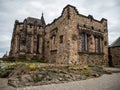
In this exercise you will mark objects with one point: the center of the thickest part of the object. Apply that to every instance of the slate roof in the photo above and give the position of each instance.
(116, 43)
(31, 20)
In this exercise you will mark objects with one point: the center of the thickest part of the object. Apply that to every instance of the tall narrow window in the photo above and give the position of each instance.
(29, 44)
(38, 44)
(88, 42)
(83, 42)
(54, 39)
(61, 39)
(18, 44)
(98, 46)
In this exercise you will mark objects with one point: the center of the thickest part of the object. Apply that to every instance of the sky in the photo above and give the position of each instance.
(11, 10)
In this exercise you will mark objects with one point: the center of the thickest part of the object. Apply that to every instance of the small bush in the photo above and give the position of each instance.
(86, 72)
(91, 65)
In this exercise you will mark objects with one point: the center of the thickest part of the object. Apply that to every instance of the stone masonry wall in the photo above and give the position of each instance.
(57, 50)
(100, 27)
(72, 38)
(115, 55)
(70, 24)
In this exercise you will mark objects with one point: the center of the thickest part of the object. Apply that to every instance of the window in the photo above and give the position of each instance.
(84, 25)
(83, 42)
(89, 40)
(22, 37)
(54, 39)
(29, 44)
(18, 44)
(92, 28)
(97, 45)
(38, 44)
(105, 43)
(61, 39)
(30, 25)
(47, 44)
(99, 49)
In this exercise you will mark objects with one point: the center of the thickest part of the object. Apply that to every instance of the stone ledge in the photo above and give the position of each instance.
(91, 53)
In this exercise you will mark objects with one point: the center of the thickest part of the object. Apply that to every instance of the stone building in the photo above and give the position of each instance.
(72, 38)
(27, 38)
(114, 53)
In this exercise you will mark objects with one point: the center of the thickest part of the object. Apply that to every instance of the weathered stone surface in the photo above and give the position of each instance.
(54, 74)
(114, 56)
(70, 39)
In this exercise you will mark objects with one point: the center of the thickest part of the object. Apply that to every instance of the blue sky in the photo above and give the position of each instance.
(10, 10)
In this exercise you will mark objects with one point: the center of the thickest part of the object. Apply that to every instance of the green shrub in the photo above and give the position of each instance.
(4, 72)
(86, 72)
(91, 65)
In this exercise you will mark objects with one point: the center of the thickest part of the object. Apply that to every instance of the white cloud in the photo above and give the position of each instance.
(1, 54)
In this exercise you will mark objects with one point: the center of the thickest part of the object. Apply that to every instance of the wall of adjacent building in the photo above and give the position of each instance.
(114, 55)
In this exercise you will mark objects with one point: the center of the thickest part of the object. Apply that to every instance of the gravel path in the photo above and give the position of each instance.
(105, 82)
(4, 86)
(114, 70)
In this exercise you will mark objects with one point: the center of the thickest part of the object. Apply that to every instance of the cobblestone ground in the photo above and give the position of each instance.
(105, 82)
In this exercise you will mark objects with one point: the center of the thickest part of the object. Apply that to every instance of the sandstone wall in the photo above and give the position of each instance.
(57, 51)
(79, 23)
(31, 34)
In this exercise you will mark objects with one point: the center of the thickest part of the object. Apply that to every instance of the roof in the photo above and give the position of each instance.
(116, 43)
(31, 20)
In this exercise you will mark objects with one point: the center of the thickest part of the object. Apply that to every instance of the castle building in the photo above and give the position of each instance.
(72, 38)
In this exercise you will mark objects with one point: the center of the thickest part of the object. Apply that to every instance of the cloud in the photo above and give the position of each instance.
(10, 10)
